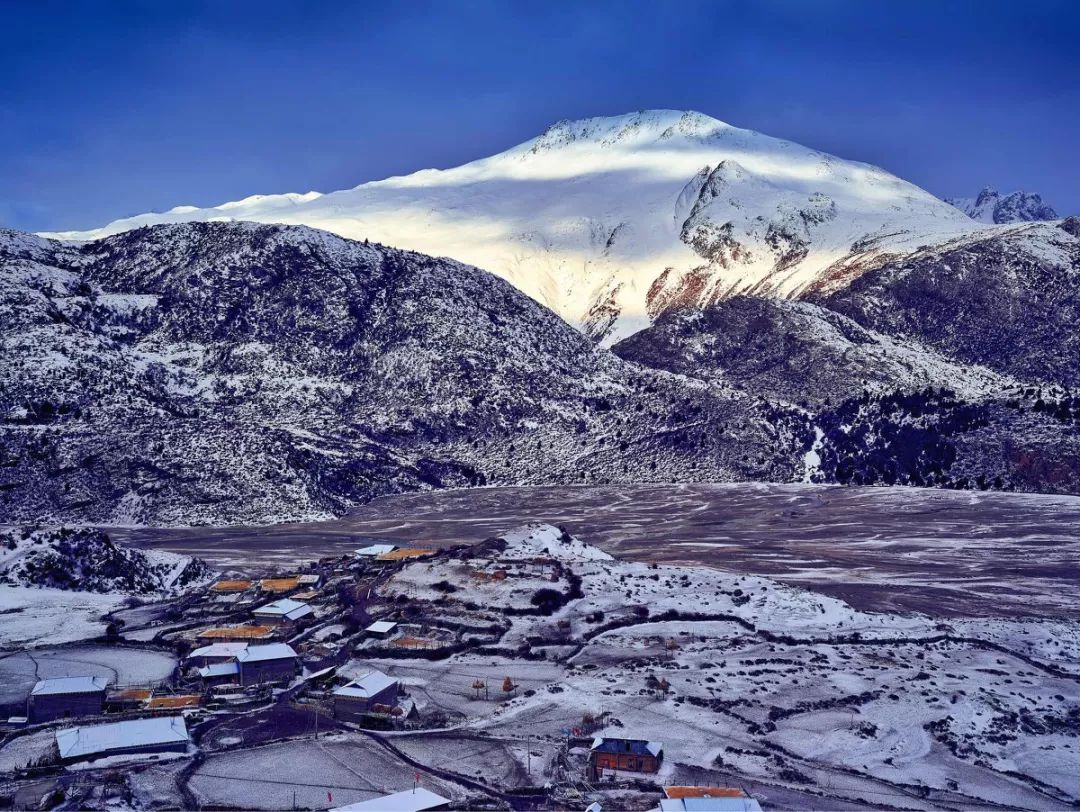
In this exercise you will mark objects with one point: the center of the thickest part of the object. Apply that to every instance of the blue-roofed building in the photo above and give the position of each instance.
(67, 698)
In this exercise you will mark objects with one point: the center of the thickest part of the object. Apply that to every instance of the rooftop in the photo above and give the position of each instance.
(403, 553)
(711, 803)
(272, 651)
(231, 586)
(279, 584)
(380, 626)
(174, 702)
(410, 800)
(286, 608)
(219, 670)
(374, 550)
(366, 686)
(237, 633)
(70, 685)
(78, 742)
(639, 747)
(223, 650)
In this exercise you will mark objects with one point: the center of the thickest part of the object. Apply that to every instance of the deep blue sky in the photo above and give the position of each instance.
(114, 108)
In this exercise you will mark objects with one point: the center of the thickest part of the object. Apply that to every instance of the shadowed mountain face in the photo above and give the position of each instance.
(1009, 300)
(245, 373)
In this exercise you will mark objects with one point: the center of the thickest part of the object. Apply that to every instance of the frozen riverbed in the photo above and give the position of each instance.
(881, 549)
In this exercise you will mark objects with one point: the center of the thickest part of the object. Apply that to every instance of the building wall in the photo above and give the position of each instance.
(626, 761)
(267, 671)
(176, 747)
(60, 706)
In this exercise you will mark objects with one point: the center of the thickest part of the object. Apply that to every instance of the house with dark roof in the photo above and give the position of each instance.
(67, 698)
(276, 662)
(633, 755)
(375, 692)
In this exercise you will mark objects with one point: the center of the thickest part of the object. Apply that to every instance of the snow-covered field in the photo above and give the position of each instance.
(119, 665)
(767, 683)
(947, 553)
(334, 770)
(36, 617)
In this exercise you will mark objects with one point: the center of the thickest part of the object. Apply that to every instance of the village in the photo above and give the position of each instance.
(534, 671)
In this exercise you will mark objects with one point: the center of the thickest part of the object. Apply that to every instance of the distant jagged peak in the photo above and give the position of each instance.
(991, 206)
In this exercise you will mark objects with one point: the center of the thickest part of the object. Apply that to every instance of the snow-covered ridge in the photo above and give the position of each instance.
(612, 221)
(991, 206)
(82, 560)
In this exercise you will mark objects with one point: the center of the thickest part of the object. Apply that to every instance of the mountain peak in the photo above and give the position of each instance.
(991, 206)
(643, 126)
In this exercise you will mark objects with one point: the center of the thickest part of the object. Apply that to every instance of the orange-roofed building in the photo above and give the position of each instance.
(227, 587)
(405, 553)
(279, 585)
(238, 633)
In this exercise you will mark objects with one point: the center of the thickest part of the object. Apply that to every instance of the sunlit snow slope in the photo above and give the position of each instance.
(612, 221)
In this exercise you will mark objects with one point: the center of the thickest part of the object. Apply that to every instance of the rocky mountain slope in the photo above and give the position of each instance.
(1008, 299)
(990, 206)
(88, 561)
(611, 222)
(215, 372)
(950, 366)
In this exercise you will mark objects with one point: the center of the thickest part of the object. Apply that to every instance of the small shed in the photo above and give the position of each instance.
(372, 693)
(417, 799)
(276, 662)
(164, 734)
(634, 755)
(283, 611)
(67, 698)
(381, 629)
(219, 674)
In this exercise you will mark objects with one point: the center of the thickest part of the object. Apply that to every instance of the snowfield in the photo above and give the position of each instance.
(745, 680)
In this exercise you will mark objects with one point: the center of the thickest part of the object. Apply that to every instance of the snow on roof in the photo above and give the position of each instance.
(272, 651)
(78, 742)
(409, 800)
(218, 650)
(366, 686)
(609, 744)
(308, 579)
(219, 670)
(380, 626)
(286, 608)
(375, 550)
(738, 803)
(70, 685)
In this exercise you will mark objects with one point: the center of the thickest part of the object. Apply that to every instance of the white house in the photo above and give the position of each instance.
(163, 734)
(285, 610)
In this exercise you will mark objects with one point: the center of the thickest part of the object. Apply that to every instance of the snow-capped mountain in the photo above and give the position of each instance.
(991, 206)
(239, 372)
(611, 222)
